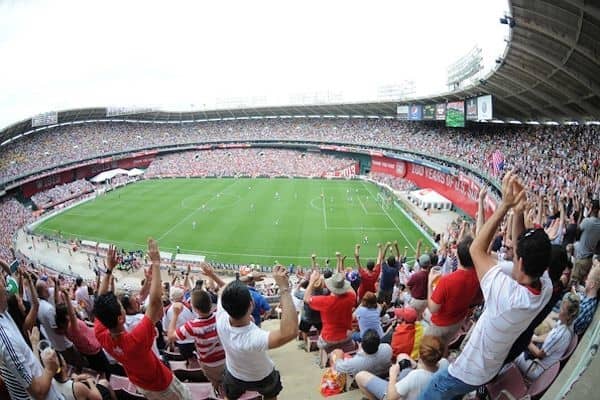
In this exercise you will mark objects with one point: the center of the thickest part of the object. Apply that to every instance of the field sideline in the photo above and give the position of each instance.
(242, 220)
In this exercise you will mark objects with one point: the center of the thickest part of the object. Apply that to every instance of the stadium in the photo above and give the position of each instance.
(487, 189)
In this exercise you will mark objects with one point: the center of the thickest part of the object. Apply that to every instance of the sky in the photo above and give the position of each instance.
(183, 55)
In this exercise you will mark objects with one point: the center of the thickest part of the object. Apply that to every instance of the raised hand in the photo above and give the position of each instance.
(357, 250)
(177, 308)
(111, 258)
(314, 276)
(512, 190)
(207, 269)
(280, 275)
(153, 251)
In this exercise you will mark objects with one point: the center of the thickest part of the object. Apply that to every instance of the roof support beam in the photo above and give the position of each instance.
(536, 106)
(571, 95)
(507, 103)
(588, 8)
(557, 65)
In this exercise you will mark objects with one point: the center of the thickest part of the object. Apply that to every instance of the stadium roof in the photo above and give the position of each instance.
(549, 72)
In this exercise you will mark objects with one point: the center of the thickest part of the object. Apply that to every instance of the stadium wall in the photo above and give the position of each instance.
(460, 189)
(87, 170)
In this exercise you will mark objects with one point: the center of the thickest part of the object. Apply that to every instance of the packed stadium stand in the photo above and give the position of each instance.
(504, 307)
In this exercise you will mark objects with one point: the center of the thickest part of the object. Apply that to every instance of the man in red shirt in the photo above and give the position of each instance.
(134, 349)
(368, 277)
(336, 309)
(453, 296)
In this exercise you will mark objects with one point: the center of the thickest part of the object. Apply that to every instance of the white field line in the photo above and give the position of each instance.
(392, 221)
(193, 212)
(362, 205)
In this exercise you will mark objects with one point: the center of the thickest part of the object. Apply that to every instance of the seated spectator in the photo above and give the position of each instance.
(405, 335)
(589, 303)
(407, 378)
(367, 315)
(81, 387)
(373, 356)
(535, 360)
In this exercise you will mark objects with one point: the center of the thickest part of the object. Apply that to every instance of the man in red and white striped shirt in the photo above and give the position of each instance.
(204, 331)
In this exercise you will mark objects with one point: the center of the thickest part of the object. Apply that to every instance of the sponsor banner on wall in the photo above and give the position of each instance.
(416, 112)
(347, 172)
(472, 109)
(440, 112)
(429, 112)
(402, 112)
(484, 107)
(460, 189)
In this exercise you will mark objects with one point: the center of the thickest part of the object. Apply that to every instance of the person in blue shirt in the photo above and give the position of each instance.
(261, 306)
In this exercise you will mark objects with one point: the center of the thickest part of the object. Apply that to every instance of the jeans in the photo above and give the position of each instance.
(444, 386)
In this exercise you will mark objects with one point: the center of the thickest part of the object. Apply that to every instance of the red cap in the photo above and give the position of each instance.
(407, 314)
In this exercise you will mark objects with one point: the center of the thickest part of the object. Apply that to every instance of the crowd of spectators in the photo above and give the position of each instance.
(549, 158)
(246, 162)
(398, 184)
(13, 215)
(62, 193)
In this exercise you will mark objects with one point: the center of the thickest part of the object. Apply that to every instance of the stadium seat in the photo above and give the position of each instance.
(510, 384)
(190, 375)
(173, 356)
(124, 389)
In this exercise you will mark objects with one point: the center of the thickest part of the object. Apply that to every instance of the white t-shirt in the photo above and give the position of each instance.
(81, 295)
(411, 385)
(47, 318)
(245, 348)
(509, 309)
(185, 316)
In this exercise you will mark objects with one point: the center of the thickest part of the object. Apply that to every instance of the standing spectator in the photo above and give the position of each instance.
(373, 356)
(336, 309)
(367, 315)
(22, 373)
(132, 349)
(82, 297)
(368, 277)
(453, 296)
(389, 276)
(47, 318)
(587, 244)
(203, 330)
(417, 284)
(247, 364)
(310, 318)
(80, 334)
(186, 345)
(260, 303)
(514, 294)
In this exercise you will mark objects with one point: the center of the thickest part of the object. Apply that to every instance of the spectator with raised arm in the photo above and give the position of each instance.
(203, 330)
(587, 244)
(20, 369)
(389, 276)
(247, 364)
(133, 349)
(514, 294)
(370, 275)
(261, 306)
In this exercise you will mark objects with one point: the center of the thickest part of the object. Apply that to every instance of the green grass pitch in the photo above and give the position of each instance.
(242, 220)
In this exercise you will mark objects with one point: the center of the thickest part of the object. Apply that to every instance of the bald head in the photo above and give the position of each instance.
(42, 289)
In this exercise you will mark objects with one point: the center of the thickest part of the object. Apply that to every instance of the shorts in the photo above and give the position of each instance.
(328, 347)
(269, 387)
(419, 305)
(175, 391)
(98, 362)
(446, 333)
(385, 296)
(214, 374)
(306, 325)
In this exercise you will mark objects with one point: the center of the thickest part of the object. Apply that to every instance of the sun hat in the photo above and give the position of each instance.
(337, 284)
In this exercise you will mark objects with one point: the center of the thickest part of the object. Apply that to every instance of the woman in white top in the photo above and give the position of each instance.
(81, 387)
(535, 360)
(412, 380)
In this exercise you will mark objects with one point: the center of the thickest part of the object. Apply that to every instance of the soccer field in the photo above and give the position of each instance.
(242, 220)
